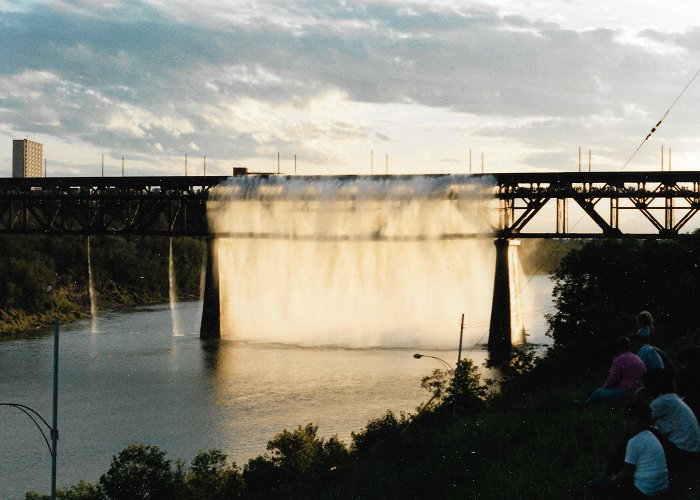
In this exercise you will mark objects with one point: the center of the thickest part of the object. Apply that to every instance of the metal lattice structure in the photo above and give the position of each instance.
(667, 200)
(176, 205)
(171, 206)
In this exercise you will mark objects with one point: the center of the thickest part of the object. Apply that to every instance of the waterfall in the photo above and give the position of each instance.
(91, 290)
(515, 271)
(172, 288)
(353, 262)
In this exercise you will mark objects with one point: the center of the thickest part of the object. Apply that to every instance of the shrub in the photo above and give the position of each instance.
(141, 473)
(461, 387)
(211, 477)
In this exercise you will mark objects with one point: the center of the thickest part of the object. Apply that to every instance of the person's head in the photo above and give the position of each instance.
(622, 344)
(644, 319)
(637, 340)
(658, 381)
(637, 417)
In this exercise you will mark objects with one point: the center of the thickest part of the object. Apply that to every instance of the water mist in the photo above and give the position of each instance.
(388, 262)
(172, 291)
(91, 290)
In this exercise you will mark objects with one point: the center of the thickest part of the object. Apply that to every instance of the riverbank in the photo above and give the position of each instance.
(43, 278)
(17, 323)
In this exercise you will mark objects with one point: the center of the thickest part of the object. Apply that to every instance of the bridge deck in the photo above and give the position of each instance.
(176, 205)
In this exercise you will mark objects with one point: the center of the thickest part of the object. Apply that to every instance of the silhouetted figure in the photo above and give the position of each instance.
(645, 321)
(625, 374)
(674, 420)
(640, 346)
(643, 472)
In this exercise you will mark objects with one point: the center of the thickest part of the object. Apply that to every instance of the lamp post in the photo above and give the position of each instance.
(34, 415)
(447, 365)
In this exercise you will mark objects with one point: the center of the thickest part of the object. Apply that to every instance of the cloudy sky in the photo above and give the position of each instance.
(337, 83)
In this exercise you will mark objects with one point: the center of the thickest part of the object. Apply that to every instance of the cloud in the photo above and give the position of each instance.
(238, 80)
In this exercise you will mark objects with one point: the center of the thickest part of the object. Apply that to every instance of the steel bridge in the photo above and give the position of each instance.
(176, 206)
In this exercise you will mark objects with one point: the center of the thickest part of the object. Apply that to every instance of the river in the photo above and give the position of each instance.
(127, 379)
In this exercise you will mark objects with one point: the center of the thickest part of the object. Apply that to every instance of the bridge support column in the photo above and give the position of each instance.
(499, 329)
(210, 327)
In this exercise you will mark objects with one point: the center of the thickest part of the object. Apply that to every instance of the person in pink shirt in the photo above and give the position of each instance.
(625, 374)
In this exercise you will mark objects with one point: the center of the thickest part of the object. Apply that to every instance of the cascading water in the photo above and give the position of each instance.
(354, 262)
(515, 271)
(172, 289)
(202, 284)
(91, 290)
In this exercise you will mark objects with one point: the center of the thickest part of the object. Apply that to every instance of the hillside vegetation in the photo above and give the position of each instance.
(46, 277)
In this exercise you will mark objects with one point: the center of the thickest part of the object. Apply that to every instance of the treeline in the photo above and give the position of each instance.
(42, 277)
(521, 437)
(600, 287)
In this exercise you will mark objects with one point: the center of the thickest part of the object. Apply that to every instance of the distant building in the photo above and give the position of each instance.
(27, 158)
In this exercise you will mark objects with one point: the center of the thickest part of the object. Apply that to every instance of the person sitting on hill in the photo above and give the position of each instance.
(646, 353)
(688, 378)
(625, 374)
(646, 325)
(674, 420)
(644, 472)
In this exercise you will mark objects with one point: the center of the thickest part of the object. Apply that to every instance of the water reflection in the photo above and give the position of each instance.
(133, 381)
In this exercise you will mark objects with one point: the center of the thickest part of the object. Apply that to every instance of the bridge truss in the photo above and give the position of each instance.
(176, 205)
(667, 200)
(156, 206)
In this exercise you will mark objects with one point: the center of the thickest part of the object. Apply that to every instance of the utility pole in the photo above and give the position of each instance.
(54, 427)
(579, 159)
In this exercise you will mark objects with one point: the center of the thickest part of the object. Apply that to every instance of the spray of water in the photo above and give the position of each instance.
(91, 290)
(515, 271)
(172, 288)
(354, 262)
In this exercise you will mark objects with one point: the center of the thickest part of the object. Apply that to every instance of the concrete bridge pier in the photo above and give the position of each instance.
(499, 329)
(210, 327)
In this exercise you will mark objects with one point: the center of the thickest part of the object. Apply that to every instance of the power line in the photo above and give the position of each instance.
(653, 129)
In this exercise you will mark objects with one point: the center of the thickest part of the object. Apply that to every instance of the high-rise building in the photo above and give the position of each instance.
(27, 158)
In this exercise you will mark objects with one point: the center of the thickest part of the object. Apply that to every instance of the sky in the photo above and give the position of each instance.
(349, 87)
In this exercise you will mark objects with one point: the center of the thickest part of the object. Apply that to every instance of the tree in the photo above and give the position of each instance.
(462, 387)
(142, 473)
(600, 288)
(210, 477)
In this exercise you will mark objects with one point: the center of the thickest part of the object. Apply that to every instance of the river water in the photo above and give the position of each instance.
(127, 379)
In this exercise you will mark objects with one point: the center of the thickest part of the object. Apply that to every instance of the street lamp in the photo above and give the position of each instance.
(447, 365)
(31, 413)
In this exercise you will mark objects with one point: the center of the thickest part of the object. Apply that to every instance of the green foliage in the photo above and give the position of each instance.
(300, 452)
(378, 431)
(45, 276)
(262, 476)
(297, 455)
(211, 477)
(141, 473)
(600, 288)
(462, 387)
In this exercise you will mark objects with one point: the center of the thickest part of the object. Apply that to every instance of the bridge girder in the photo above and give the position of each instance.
(176, 205)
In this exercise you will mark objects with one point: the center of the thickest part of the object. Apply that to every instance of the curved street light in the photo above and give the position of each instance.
(34, 415)
(447, 365)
